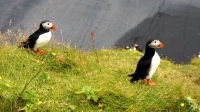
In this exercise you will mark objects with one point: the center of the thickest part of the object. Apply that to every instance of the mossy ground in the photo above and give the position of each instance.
(68, 70)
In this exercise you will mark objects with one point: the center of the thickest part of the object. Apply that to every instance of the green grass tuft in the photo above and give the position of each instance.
(68, 79)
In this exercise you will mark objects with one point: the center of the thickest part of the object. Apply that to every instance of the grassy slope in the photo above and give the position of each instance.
(62, 75)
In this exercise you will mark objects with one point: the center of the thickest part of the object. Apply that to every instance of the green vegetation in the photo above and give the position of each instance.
(68, 79)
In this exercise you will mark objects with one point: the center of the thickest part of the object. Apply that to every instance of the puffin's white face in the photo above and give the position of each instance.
(48, 26)
(135, 45)
(156, 44)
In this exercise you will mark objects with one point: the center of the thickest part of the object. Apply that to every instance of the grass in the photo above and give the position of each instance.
(68, 79)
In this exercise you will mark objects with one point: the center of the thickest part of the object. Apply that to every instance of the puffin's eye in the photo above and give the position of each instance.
(47, 23)
(155, 41)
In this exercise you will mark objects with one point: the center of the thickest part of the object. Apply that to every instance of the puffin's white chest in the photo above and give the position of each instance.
(154, 65)
(43, 40)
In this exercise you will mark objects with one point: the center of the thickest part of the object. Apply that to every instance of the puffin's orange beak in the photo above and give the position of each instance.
(161, 45)
(53, 27)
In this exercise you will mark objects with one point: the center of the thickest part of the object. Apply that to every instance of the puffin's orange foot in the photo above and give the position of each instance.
(151, 83)
(39, 52)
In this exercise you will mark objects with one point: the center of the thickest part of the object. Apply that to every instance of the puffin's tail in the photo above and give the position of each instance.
(134, 77)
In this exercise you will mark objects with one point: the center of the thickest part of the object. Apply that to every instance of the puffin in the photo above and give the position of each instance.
(199, 55)
(136, 47)
(148, 63)
(127, 48)
(41, 37)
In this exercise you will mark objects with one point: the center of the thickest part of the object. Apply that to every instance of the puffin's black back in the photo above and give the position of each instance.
(33, 37)
(144, 63)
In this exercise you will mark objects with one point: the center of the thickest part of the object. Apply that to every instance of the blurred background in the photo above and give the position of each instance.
(116, 23)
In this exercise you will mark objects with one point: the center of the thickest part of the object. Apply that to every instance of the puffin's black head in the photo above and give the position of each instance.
(47, 25)
(154, 43)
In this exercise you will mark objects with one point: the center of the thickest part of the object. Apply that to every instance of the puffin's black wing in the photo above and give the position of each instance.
(142, 69)
(31, 39)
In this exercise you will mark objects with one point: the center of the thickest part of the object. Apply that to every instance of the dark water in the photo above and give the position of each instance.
(114, 22)
(178, 29)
